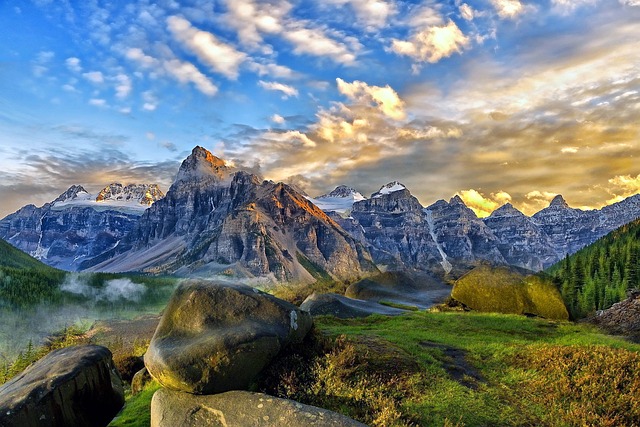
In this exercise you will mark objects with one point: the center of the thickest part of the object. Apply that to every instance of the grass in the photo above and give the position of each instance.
(136, 412)
(472, 369)
(398, 305)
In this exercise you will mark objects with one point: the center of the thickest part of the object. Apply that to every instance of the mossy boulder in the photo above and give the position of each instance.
(509, 290)
(70, 387)
(217, 337)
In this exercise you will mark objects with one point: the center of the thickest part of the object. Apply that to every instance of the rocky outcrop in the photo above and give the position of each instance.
(239, 409)
(622, 318)
(142, 194)
(344, 307)
(511, 291)
(414, 290)
(218, 221)
(74, 386)
(217, 337)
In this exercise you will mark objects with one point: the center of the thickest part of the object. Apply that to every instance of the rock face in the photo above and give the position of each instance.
(77, 226)
(239, 409)
(75, 386)
(520, 241)
(509, 290)
(214, 221)
(214, 338)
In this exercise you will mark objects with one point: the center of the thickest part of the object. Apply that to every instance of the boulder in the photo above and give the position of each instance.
(217, 337)
(74, 386)
(344, 307)
(238, 409)
(509, 290)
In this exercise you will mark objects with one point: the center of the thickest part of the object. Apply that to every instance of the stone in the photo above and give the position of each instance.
(509, 290)
(343, 307)
(239, 409)
(140, 381)
(73, 386)
(217, 337)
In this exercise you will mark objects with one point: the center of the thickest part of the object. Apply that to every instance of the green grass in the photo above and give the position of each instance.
(510, 393)
(398, 305)
(136, 412)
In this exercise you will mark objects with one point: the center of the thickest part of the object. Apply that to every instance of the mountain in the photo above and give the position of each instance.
(521, 241)
(77, 225)
(217, 221)
(340, 200)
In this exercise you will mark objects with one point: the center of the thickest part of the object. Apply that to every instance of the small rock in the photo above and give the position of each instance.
(74, 386)
(217, 337)
(140, 380)
(237, 409)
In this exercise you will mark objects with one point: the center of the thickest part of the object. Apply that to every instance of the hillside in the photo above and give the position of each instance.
(24, 280)
(600, 274)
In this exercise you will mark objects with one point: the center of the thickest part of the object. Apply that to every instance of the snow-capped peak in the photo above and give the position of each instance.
(133, 198)
(340, 200)
(391, 187)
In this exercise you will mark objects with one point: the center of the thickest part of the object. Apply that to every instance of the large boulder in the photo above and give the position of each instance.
(217, 337)
(343, 307)
(509, 290)
(418, 289)
(238, 409)
(74, 386)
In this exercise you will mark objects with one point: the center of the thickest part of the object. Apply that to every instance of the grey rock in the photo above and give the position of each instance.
(344, 307)
(239, 409)
(140, 381)
(74, 386)
(217, 337)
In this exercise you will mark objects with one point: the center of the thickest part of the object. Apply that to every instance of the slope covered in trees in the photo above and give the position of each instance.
(600, 274)
(25, 280)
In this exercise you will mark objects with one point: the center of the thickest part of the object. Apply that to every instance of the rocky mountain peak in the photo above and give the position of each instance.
(559, 202)
(342, 191)
(202, 164)
(144, 194)
(457, 200)
(389, 188)
(506, 210)
(72, 193)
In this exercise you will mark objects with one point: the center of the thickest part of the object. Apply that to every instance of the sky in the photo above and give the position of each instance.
(494, 100)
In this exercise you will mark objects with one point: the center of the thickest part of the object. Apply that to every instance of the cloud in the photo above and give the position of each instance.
(630, 2)
(569, 150)
(187, 72)
(483, 205)
(508, 9)
(123, 86)
(433, 43)
(150, 101)
(41, 62)
(278, 119)
(385, 97)
(97, 102)
(271, 69)
(568, 6)
(623, 186)
(372, 13)
(169, 146)
(286, 90)
(94, 77)
(251, 19)
(73, 64)
(314, 41)
(466, 12)
(219, 56)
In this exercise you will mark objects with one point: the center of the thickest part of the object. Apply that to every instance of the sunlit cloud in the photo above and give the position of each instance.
(385, 97)
(508, 8)
(481, 204)
(432, 43)
(466, 12)
(278, 119)
(372, 13)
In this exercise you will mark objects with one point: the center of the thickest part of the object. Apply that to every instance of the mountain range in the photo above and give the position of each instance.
(215, 220)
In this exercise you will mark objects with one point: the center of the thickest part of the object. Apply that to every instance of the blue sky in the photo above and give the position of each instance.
(496, 100)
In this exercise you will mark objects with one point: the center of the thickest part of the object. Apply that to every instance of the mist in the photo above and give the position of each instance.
(112, 291)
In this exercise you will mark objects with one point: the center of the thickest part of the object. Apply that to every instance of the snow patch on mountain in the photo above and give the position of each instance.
(131, 199)
(391, 187)
(340, 200)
